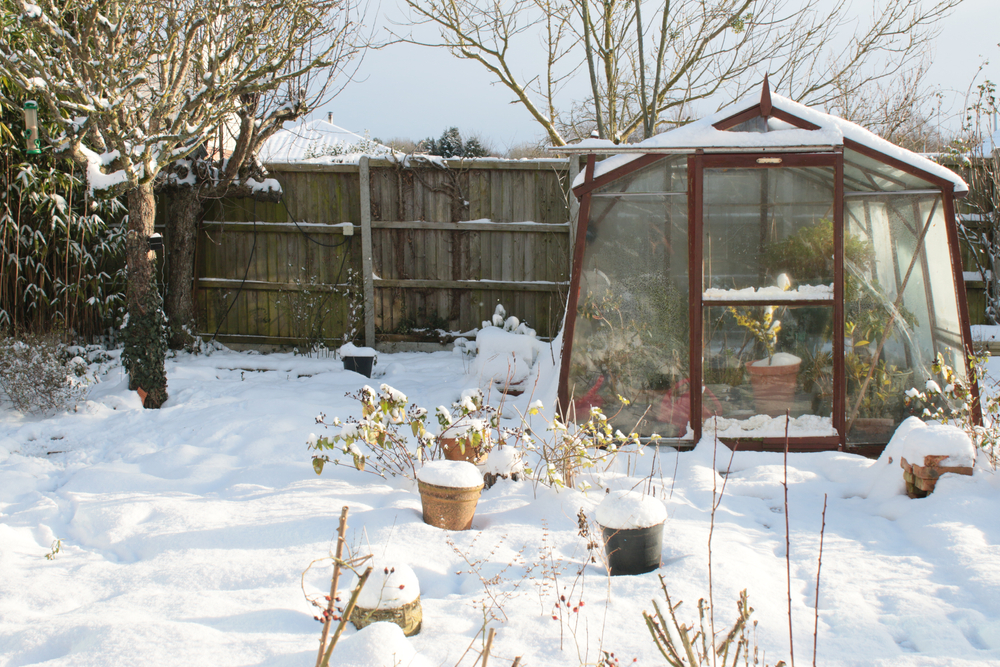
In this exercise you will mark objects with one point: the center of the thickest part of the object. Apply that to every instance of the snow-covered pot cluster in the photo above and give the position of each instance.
(632, 524)
(391, 594)
(449, 492)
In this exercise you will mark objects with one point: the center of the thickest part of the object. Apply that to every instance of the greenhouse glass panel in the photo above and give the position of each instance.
(632, 328)
(764, 360)
(761, 223)
(865, 174)
(666, 175)
(897, 288)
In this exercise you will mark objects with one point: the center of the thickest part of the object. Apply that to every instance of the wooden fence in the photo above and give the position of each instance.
(428, 247)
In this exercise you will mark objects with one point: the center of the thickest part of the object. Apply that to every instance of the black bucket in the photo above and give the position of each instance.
(361, 365)
(633, 550)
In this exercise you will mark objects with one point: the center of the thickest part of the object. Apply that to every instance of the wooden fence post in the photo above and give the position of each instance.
(367, 273)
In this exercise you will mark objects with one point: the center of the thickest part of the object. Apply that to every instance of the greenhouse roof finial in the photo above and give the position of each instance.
(765, 99)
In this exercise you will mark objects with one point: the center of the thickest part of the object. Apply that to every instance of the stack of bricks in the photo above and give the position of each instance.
(920, 480)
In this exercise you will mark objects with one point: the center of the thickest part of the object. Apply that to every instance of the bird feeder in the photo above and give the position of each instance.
(34, 143)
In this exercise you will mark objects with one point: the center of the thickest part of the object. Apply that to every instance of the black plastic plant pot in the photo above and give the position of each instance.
(361, 365)
(633, 550)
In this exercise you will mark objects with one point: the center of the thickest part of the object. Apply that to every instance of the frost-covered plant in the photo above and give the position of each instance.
(378, 442)
(760, 321)
(956, 403)
(61, 251)
(568, 450)
(509, 324)
(37, 376)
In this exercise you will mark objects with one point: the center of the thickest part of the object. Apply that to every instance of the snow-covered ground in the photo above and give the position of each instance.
(185, 531)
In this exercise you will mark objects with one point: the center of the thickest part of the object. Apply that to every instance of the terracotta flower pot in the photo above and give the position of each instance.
(773, 386)
(459, 449)
(449, 508)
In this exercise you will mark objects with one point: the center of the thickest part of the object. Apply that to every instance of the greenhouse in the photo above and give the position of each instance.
(784, 260)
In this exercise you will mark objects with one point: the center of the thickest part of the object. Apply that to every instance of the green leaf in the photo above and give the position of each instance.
(318, 465)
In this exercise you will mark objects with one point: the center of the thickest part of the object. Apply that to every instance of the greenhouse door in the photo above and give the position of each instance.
(768, 240)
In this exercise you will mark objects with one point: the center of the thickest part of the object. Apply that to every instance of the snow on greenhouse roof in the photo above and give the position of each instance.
(832, 131)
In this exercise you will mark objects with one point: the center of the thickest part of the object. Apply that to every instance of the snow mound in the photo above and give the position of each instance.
(381, 644)
(391, 585)
(629, 509)
(451, 474)
(504, 355)
(914, 440)
(504, 461)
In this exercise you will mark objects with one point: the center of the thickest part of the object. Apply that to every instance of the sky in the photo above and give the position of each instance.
(407, 91)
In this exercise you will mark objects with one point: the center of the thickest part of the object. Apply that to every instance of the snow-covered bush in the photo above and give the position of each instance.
(36, 375)
(506, 350)
(61, 252)
(956, 403)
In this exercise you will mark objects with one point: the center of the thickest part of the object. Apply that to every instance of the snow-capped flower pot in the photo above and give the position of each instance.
(358, 359)
(774, 380)
(392, 594)
(449, 492)
(632, 524)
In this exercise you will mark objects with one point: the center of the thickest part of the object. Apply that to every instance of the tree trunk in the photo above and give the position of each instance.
(139, 258)
(185, 210)
(144, 335)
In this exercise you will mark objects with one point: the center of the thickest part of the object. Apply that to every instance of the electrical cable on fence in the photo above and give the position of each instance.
(347, 240)
(253, 249)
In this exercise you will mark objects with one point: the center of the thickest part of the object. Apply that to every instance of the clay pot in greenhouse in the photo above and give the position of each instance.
(774, 381)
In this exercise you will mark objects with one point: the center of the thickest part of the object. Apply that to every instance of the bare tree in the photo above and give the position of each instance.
(135, 85)
(228, 166)
(646, 65)
(978, 157)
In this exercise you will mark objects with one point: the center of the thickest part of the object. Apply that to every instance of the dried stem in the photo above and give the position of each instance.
(328, 618)
(346, 616)
(489, 643)
(788, 547)
(819, 565)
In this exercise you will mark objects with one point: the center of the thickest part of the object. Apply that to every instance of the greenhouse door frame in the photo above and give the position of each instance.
(697, 163)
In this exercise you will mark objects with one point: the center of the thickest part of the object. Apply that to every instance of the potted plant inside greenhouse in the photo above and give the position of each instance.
(789, 235)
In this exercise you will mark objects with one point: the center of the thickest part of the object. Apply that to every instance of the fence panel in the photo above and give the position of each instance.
(448, 246)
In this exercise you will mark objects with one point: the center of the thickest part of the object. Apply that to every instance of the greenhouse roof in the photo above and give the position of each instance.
(790, 127)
